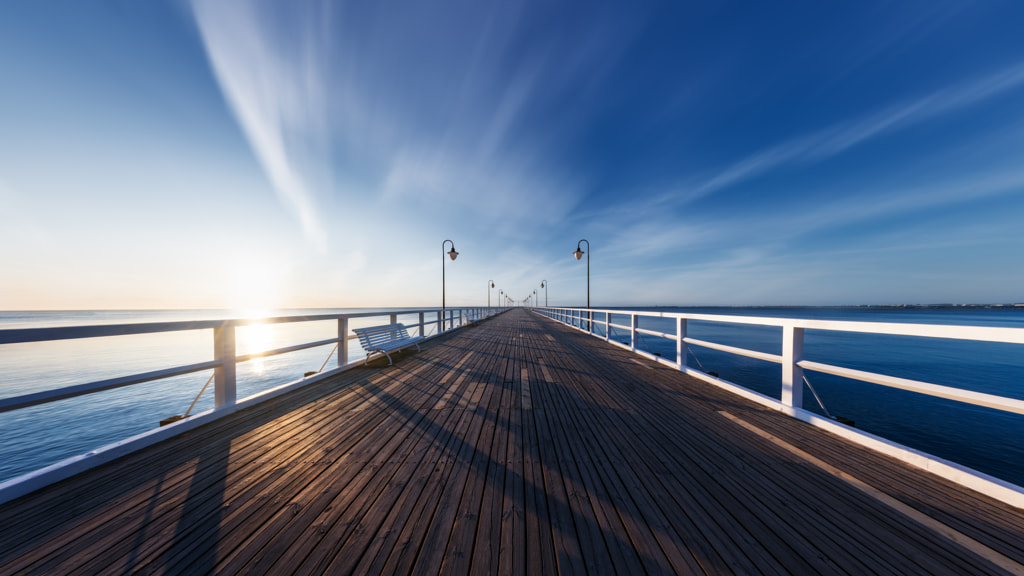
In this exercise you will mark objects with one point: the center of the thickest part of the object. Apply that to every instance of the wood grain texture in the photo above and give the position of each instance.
(517, 446)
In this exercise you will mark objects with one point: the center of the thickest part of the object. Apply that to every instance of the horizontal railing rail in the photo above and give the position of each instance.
(791, 356)
(225, 357)
(26, 400)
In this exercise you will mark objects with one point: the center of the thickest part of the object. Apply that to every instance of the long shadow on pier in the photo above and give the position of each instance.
(496, 449)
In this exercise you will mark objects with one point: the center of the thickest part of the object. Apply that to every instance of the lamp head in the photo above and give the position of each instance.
(453, 254)
(578, 253)
(541, 284)
(492, 284)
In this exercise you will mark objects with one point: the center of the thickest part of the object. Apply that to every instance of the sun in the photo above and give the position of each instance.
(255, 338)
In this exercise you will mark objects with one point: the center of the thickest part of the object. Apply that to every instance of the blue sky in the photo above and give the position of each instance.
(230, 154)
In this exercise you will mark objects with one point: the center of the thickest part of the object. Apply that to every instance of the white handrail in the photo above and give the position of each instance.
(792, 360)
(225, 357)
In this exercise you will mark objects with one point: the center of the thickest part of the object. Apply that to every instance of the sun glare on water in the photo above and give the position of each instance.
(255, 338)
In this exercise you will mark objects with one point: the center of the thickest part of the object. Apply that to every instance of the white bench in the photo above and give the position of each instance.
(385, 339)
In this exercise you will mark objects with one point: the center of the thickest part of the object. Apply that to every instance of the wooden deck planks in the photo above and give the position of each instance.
(936, 548)
(761, 482)
(518, 446)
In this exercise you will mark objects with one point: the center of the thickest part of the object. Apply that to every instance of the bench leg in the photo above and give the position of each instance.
(389, 358)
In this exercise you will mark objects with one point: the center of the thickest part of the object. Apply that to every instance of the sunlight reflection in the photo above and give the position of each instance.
(255, 338)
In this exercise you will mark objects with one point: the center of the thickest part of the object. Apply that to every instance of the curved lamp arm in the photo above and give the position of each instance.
(579, 254)
(453, 255)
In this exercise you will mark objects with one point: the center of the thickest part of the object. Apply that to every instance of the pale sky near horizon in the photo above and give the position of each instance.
(258, 154)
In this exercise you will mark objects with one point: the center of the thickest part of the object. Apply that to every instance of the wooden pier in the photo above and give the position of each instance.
(517, 446)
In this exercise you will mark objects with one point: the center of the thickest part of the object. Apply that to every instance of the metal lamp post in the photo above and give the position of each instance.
(579, 254)
(490, 285)
(453, 255)
(544, 285)
(535, 298)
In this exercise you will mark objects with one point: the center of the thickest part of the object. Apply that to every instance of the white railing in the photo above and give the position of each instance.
(225, 358)
(793, 364)
(224, 362)
(791, 355)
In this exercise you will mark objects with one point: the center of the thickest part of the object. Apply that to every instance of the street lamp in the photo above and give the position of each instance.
(579, 254)
(534, 297)
(501, 296)
(544, 285)
(490, 284)
(453, 255)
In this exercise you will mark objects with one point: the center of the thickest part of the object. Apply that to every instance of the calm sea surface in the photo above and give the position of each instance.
(984, 439)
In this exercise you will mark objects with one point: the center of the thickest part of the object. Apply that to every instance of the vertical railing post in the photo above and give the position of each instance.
(460, 317)
(394, 319)
(634, 321)
(342, 342)
(607, 326)
(681, 343)
(224, 375)
(792, 375)
(440, 322)
(421, 324)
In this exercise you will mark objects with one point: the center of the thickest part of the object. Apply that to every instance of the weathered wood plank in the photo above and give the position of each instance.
(518, 446)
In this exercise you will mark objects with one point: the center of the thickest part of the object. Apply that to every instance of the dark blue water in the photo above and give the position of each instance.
(984, 439)
(981, 438)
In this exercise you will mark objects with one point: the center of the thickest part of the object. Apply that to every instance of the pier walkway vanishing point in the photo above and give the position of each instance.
(517, 446)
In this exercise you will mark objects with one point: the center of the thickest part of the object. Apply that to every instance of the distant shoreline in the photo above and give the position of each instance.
(878, 306)
(655, 306)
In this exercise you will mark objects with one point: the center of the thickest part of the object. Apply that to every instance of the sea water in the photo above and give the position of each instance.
(981, 438)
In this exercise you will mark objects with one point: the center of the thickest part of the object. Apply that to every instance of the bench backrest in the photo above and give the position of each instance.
(375, 336)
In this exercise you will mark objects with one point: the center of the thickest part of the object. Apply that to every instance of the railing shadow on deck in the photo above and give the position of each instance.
(793, 365)
(481, 463)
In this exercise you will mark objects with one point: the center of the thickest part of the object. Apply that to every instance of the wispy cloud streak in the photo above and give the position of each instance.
(271, 66)
(837, 139)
